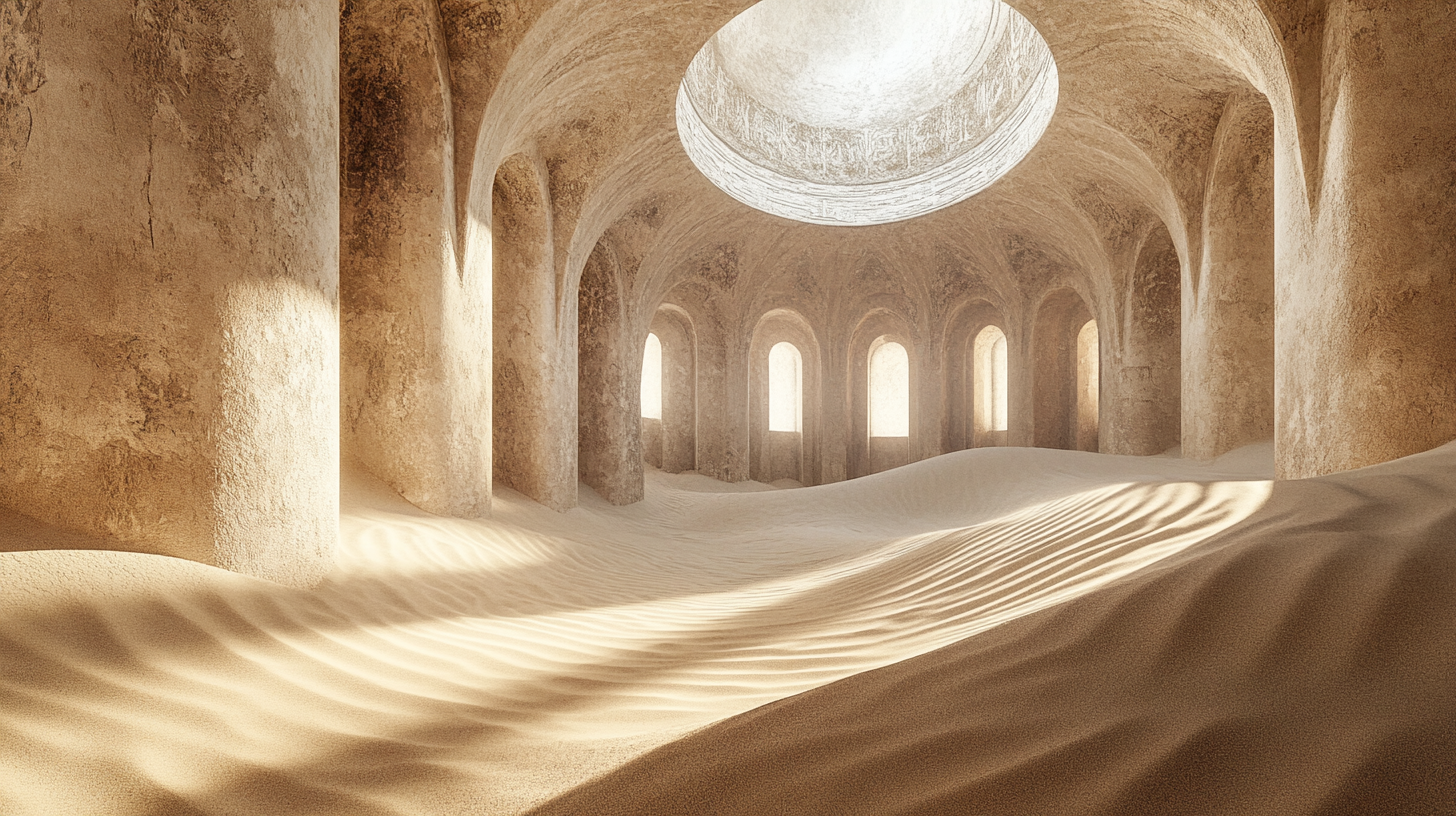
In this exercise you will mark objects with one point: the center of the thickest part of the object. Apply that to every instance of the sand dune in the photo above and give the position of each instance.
(1303, 662)
(1076, 625)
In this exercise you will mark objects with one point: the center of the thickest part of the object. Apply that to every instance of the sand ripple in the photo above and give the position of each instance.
(452, 666)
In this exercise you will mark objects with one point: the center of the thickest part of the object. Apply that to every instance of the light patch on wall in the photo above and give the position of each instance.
(652, 378)
(889, 389)
(1088, 384)
(785, 388)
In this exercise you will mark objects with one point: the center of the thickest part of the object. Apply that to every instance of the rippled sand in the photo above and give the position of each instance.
(998, 631)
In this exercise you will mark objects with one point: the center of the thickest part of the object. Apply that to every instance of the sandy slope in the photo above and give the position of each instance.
(1301, 663)
(455, 666)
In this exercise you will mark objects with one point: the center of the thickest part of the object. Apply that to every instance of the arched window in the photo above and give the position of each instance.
(785, 388)
(889, 383)
(652, 378)
(1087, 385)
(989, 358)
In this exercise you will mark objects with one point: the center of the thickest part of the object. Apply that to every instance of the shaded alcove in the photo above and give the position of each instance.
(1059, 321)
(609, 428)
(669, 442)
(785, 454)
(1228, 331)
(531, 453)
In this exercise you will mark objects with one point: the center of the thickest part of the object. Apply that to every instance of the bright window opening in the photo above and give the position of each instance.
(785, 389)
(652, 378)
(990, 379)
(889, 389)
(1087, 378)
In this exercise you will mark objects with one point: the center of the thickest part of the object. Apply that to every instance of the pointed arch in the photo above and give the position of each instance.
(778, 453)
(871, 452)
(669, 442)
(1059, 320)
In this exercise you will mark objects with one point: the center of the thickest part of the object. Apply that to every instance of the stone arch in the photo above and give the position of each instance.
(1059, 319)
(872, 455)
(959, 428)
(990, 366)
(670, 444)
(609, 373)
(781, 454)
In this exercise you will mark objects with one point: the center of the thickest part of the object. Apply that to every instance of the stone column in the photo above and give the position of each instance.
(1141, 377)
(415, 351)
(835, 424)
(1366, 276)
(1228, 298)
(169, 226)
(722, 402)
(609, 431)
(533, 405)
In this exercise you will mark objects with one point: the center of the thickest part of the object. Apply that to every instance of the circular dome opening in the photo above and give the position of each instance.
(858, 112)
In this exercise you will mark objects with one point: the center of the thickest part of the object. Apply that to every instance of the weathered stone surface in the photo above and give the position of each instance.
(169, 272)
(1253, 200)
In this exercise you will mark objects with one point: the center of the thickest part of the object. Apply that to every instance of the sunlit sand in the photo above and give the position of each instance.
(1102, 622)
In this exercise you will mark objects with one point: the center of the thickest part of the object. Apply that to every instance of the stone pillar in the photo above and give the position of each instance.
(1021, 371)
(1366, 284)
(1228, 298)
(169, 222)
(415, 336)
(929, 397)
(1141, 372)
(834, 438)
(722, 403)
(608, 397)
(534, 344)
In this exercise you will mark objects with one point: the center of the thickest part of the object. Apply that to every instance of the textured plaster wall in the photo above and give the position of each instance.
(169, 272)
(1366, 247)
(415, 332)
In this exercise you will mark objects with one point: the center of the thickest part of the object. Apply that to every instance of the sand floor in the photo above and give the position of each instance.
(995, 631)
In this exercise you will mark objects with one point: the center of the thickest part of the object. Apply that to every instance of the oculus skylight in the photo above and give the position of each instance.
(858, 112)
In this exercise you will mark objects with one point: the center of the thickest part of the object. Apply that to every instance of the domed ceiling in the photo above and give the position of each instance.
(858, 112)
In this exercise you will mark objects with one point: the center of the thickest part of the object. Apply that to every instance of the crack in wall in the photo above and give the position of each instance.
(147, 190)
